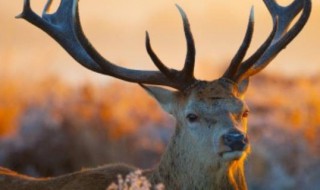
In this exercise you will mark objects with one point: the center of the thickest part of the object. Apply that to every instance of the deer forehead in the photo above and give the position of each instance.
(214, 90)
(216, 96)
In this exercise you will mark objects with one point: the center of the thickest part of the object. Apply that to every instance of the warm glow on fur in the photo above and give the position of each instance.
(210, 143)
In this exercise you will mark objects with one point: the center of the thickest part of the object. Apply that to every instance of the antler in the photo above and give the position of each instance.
(64, 26)
(279, 38)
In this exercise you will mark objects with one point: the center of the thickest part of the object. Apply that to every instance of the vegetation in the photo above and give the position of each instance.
(54, 128)
(134, 181)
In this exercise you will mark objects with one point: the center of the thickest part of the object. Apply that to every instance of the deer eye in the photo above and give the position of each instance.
(245, 114)
(192, 118)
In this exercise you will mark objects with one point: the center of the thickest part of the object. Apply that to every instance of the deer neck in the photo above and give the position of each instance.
(181, 168)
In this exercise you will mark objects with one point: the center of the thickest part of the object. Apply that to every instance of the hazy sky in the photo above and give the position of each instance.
(117, 28)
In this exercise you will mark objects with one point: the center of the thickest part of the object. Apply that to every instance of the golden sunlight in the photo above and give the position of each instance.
(48, 99)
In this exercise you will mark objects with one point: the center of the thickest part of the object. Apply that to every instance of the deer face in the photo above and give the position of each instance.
(211, 119)
(214, 116)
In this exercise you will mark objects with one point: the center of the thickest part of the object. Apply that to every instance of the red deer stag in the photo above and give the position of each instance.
(210, 143)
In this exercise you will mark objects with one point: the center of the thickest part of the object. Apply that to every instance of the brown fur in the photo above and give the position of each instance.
(93, 179)
(191, 160)
(181, 167)
(200, 154)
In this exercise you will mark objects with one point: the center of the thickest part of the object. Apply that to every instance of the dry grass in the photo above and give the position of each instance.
(48, 127)
(134, 181)
(64, 128)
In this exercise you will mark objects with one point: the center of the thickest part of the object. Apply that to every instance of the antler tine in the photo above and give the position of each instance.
(188, 68)
(246, 65)
(285, 15)
(164, 69)
(60, 29)
(237, 59)
(167, 76)
(64, 26)
(282, 17)
(26, 9)
(280, 42)
(47, 7)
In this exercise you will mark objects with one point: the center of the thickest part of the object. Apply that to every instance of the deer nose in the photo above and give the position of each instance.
(235, 140)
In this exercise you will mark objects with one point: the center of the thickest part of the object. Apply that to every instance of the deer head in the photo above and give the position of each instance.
(211, 140)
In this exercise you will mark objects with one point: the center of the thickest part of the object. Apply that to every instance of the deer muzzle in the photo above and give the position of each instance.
(235, 140)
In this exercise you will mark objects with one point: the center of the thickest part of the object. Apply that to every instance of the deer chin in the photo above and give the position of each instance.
(233, 155)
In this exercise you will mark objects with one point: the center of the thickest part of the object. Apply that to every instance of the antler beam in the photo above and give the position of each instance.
(279, 38)
(64, 26)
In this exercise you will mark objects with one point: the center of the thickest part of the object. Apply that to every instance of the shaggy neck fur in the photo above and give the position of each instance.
(182, 168)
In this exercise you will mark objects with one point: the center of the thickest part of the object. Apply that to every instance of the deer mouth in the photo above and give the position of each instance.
(233, 155)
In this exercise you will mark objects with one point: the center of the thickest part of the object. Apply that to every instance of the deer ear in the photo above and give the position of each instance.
(243, 86)
(165, 98)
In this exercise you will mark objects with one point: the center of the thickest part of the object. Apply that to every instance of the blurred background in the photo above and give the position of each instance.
(57, 117)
